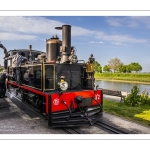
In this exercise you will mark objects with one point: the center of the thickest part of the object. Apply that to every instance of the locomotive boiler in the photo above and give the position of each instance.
(57, 84)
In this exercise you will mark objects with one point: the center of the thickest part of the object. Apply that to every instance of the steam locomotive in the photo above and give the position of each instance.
(59, 85)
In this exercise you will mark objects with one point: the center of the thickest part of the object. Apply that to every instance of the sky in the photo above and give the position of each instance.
(106, 37)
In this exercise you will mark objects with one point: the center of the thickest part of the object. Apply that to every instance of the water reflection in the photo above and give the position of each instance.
(121, 86)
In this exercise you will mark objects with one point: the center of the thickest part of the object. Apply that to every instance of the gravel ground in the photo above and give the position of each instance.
(128, 125)
(14, 120)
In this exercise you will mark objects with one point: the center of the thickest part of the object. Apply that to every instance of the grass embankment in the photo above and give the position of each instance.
(140, 114)
(129, 77)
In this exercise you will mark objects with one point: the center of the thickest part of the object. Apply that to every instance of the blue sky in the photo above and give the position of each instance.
(106, 37)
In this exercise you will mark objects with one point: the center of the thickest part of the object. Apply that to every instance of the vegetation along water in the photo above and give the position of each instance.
(128, 77)
(117, 70)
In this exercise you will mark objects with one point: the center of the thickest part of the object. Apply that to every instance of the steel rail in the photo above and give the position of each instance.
(110, 128)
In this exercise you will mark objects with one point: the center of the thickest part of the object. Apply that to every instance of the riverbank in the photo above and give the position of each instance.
(123, 81)
(124, 77)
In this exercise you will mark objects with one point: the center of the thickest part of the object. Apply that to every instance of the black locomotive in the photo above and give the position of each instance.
(57, 84)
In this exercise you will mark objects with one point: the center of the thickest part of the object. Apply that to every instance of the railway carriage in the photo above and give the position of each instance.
(57, 84)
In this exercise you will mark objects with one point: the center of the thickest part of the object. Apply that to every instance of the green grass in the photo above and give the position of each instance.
(128, 112)
(139, 77)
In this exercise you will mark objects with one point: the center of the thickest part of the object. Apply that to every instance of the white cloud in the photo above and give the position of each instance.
(79, 31)
(36, 25)
(113, 21)
(120, 38)
(130, 21)
(94, 42)
(32, 27)
(119, 44)
(143, 21)
(14, 36)
(122, 22)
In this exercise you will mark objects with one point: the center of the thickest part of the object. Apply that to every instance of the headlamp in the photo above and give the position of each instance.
(63, 85)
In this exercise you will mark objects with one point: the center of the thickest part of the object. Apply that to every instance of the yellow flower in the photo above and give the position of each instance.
(145, 115)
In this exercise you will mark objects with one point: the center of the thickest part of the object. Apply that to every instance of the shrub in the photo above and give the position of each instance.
(136, 99)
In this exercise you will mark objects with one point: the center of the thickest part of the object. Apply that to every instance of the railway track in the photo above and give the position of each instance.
(72, 131)
(110, 128)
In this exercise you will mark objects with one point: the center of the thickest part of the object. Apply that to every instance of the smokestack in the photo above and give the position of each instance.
(66, 43)
(66, 37)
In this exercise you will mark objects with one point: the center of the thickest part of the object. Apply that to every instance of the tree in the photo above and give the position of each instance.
(114, 64)
(106, 68)
(128, 68)
(135, 67)
(97, 67)
(122, 68)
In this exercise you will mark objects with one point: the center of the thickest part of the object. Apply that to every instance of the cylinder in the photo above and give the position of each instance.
(52, 49)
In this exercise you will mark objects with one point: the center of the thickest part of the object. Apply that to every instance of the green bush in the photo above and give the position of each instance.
(136, 99)
(140, 77)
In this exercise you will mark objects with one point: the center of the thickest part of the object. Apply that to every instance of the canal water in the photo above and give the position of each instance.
(121, 86)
